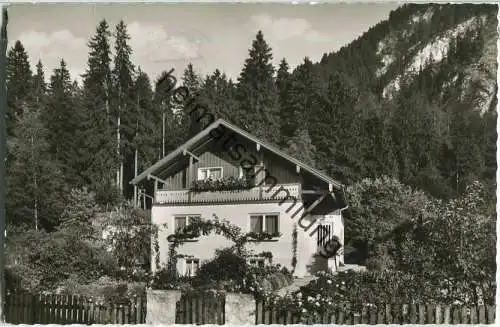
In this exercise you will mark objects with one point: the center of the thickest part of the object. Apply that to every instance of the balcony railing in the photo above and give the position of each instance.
(277, 193)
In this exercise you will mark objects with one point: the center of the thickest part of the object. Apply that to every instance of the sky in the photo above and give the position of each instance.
(210, 36)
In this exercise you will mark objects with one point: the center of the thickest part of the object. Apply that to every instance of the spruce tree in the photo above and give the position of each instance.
(300, 147)
(19, 83)
(218, 95)
(332, 124)
(123, 111)
(257, 94)
(146, 128)
(39, 84)
(300, 99)
(184, 112)
(100, 162)
(283, 81)
(148, 123)
(62, 122)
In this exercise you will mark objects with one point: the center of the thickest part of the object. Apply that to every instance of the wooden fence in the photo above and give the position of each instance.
(200, 309)
(382, 314)
(67, 309)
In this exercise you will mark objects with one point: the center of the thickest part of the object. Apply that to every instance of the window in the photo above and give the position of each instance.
(192, 266)
(264, 223)
(182, 221)
(209, 173)
(257, 262)
(256, 174)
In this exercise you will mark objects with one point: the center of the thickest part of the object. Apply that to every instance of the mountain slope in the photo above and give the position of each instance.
(414, 97)
(416, 37)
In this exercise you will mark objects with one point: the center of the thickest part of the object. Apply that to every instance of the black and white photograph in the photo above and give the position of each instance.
(248, 163)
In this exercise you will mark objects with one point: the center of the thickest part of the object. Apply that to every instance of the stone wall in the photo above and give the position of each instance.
(239, 308)
(161, 306)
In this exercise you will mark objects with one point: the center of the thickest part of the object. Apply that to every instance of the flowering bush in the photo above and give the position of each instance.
(224, 184)
(227, 272)
(354, 290)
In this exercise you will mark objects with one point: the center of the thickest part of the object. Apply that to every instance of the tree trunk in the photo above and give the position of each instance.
(135, 174)
(118, 183)
(136, 154)
(107, 125)
(163, 133)
(35, 187)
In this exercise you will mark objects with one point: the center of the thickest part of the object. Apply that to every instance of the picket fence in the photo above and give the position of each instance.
(382, 314)
(198, 309)
(70, 309)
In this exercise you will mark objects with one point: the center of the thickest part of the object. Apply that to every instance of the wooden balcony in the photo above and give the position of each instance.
(257, 194)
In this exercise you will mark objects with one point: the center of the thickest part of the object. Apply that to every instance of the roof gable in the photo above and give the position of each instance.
(222, 129)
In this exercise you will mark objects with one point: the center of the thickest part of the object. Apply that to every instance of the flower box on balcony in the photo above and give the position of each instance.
(224, 184)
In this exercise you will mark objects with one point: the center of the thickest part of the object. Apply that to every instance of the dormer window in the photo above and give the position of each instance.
(213, 173)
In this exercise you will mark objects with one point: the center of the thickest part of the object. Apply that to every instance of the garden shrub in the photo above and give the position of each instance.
(105, 289)
(225, 266)
(357, 290)
(227, 272)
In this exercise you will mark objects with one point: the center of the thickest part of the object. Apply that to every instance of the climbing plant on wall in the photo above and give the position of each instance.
(219, 227)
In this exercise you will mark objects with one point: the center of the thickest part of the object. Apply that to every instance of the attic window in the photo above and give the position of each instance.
(213, 173)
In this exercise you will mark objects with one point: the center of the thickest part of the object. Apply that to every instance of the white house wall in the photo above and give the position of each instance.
(239, 214)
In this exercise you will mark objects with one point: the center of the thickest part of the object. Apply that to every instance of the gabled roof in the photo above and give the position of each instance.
(204, 134)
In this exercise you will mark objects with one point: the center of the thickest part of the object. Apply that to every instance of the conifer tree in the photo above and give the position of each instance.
(300, 100)
(300, 147)
(283, 81)
(19, 82)
(257, 93)
(147, 127)
(184, 112)
(333, 124)
(39, 84)
(218, 95)
(122, 105)
(148, 123)
(100, 162)
(62, 122)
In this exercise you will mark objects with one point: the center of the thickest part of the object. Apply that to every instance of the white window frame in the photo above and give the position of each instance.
(188, 218)
(264, 220)
(199, 177)
(257, 259)
(190, 261)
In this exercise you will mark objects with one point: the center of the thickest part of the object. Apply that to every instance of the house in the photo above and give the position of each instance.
(275, 193)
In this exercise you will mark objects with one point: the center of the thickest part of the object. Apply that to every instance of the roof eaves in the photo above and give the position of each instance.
(139, 178)
(286, 156)
(207, 130)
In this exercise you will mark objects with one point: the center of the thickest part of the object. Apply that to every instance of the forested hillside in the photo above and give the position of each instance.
(404, 115)
(413, 98)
